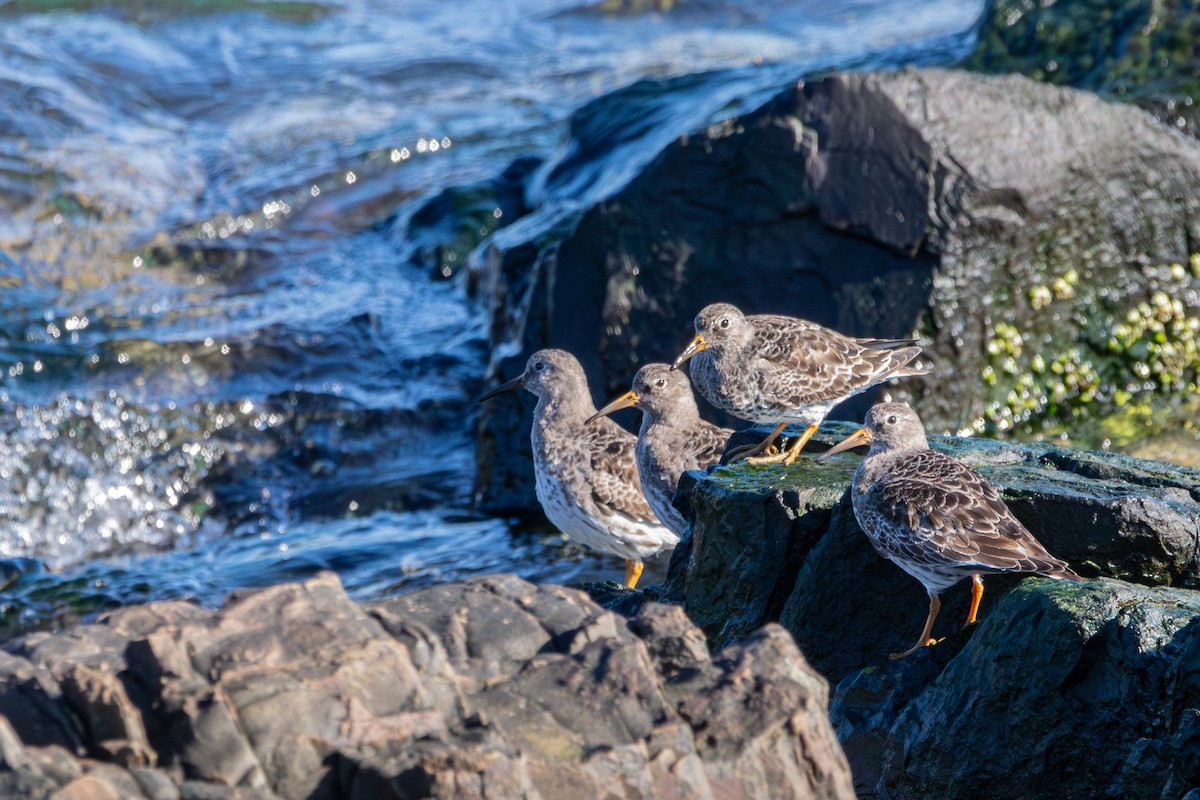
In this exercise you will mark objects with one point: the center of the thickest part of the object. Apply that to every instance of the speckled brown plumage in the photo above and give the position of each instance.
(585, 470)
(672, 438)
(768, 368)
(611, 462)
(935, 517)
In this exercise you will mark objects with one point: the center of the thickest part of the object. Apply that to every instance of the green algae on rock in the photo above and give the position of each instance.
(1113, 711)
(1143, 52)
(1118, 372)
(1011, 225)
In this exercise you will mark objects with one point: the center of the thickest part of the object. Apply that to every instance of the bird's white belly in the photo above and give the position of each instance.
(659, 496)
(933, 580)
(612, 534)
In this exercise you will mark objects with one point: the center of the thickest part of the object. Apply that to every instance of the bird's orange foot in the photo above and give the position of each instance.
(633, 571)
(749, 450)
(915, 648)
(786, 458)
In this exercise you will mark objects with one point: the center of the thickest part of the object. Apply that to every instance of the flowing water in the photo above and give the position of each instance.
(220, 363)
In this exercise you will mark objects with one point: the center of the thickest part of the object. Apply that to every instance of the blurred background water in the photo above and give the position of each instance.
(220, 363)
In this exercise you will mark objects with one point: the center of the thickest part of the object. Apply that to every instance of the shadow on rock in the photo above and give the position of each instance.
(1060, 690)
(489, 688)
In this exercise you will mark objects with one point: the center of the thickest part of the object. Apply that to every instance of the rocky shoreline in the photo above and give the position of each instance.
(489, 688)
(495, 687)
(1040, 242)
(1037, 240)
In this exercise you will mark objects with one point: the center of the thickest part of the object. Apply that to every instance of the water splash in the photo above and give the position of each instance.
(80, 479)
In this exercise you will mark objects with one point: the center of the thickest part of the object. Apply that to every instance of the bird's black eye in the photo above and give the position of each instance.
(660, 383)
(725, 322)
(539, 366)
(891, 420)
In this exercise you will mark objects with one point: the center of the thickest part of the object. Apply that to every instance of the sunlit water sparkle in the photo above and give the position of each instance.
(220, 365)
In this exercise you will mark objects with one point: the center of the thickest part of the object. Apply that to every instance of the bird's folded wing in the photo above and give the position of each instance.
(938, 511)
(710, 445)
(802, 362)
(614, 476)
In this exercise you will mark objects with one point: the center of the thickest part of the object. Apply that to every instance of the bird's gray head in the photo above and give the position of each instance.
(658, 391)
(662, 391)
(721, 324)
(718, 326)
(549, 374)
(895, 426)
(888, 426)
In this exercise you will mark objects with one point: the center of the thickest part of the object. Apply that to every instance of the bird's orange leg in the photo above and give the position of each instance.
(976, 596)
(789, 455)
(747, 450)
(935, 605)
(633, 571)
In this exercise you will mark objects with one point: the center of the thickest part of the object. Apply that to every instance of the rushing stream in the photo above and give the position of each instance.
(220, 364)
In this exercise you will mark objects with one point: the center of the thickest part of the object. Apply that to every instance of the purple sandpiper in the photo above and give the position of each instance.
(935, 517)
(586, 477)
(768, 368)
(672, 439)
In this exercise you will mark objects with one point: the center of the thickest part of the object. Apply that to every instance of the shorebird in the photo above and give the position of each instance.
(672, 439)
(768, 368)
(586, 477)
(935, 517)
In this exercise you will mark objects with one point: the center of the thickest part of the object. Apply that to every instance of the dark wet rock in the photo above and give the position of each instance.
(493, 687)
(1142, 52)
(1100, 679)
(441, 233)
(751, 548)
(1052, 668)
(755, 555)
(1036, 238)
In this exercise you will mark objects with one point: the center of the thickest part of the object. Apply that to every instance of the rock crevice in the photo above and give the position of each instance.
(490, 688)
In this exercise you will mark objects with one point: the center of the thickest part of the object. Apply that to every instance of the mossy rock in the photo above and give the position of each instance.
(1062, 690)
(781, 543)
(1146, 52)
(1037, 239)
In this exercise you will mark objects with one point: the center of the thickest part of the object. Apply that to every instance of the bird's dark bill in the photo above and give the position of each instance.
(516, 383)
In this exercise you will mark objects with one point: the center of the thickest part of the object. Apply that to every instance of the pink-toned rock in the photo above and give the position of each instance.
(490, 688)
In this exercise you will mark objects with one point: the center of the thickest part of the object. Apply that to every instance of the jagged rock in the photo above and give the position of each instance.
(1064, 690)
(755, 555)
(489, 688)
(108, 718)
(1014, 706)
(1036, 238)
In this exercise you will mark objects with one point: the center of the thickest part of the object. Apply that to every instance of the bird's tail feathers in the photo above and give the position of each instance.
(1058, 570)
(886, 344)
(909, 372)
(895, 363)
